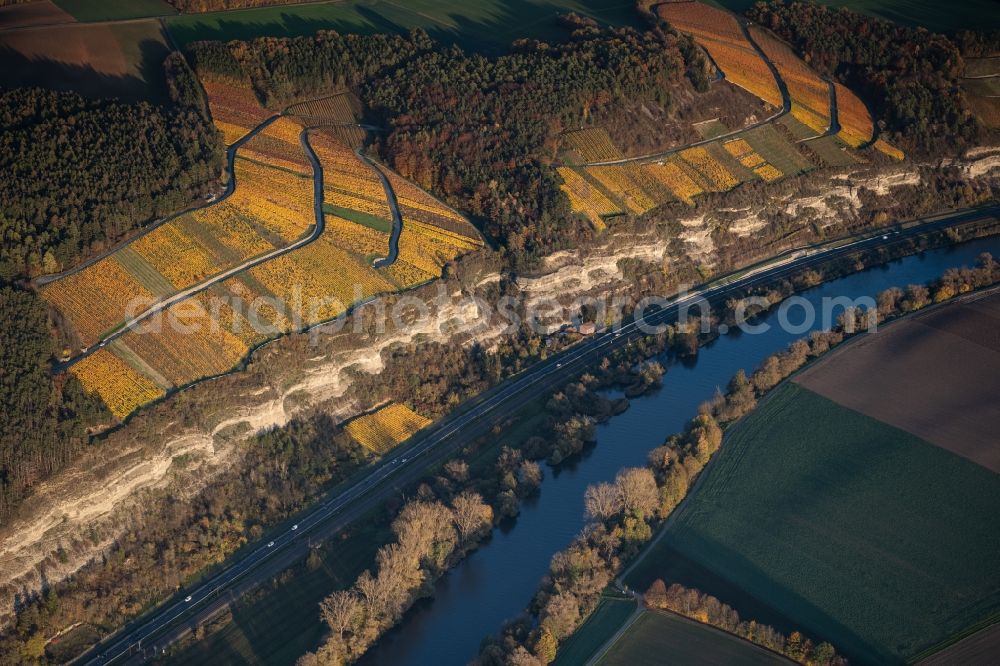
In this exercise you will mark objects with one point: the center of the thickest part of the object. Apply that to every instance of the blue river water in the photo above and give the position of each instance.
(495, 583)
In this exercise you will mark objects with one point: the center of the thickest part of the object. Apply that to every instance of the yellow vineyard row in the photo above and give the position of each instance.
(386, 428)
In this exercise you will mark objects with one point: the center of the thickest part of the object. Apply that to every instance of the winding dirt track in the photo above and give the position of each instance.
(160, 306)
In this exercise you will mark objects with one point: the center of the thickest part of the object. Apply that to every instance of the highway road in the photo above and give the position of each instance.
(154, 631)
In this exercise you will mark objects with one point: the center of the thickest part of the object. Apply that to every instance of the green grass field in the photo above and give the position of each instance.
(832, 151)
(602, 624)
(360, 217)
(776, 149)
(849, 529)
(664, 638)
(111, 10)
(931, 14)
(480, 25)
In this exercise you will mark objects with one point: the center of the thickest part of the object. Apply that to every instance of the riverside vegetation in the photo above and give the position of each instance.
(488, 158)
(624, 514)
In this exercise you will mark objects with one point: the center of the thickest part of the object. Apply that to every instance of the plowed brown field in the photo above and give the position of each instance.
(936, 376)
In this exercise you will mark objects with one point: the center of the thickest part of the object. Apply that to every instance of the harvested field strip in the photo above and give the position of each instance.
(120, 386)
(928, 364)
(804, 485)
(593, 145)
(810, 94)
(95, 298)
(339, 108)
(776, 150)
(710, 129)
(147, 275)
(832, 151)
(233, 106)
(386, 428)
(587, 199)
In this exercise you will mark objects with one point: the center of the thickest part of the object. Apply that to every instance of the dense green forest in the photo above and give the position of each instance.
(909, 76)
(80, 173)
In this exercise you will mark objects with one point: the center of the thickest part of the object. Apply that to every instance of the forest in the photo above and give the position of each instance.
(82, 173)
(474, 129)
(79, 175)
(909, 76)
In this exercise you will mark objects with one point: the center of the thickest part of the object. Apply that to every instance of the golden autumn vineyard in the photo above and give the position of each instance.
(602, 183)
(386, 428)
(270, 208)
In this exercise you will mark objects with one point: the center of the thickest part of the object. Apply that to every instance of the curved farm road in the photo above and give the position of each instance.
(397, 218)
(230, 187)
(150, 634)
(786, 107)
(159, 306)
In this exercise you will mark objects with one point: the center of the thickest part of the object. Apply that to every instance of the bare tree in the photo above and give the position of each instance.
(472, 516)
(638, 489)
(340, 610)
(602, 501)
(373, 594)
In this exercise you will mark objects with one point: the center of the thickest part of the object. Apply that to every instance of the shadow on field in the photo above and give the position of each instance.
(678, 568)
(486, 26)
(22, 70)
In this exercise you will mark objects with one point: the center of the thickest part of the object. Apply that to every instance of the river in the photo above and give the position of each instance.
(495, 583)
